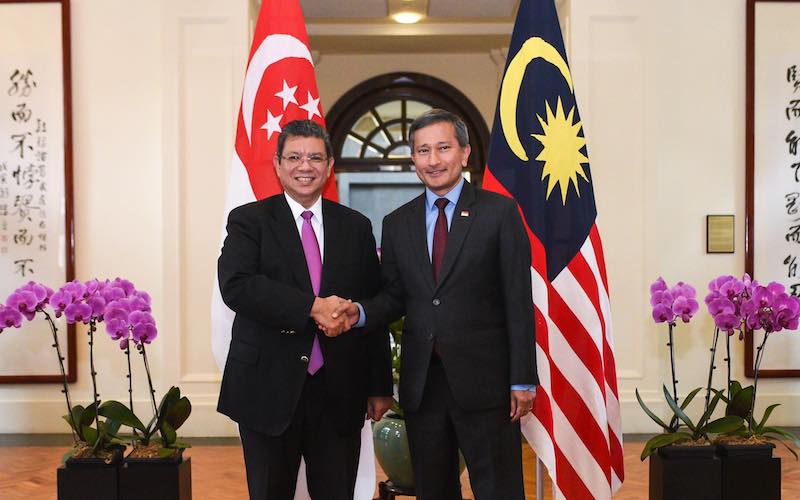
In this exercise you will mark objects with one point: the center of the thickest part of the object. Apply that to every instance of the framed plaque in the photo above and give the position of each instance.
(36, 219)
(772, 225)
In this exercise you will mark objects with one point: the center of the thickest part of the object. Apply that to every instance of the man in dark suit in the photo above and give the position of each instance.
(456, 261)
(294, 391)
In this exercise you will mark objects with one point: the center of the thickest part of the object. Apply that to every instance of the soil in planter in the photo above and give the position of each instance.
(84, 450)
(740, 440)
(150, 451)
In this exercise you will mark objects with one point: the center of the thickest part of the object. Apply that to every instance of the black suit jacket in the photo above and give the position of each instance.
(480, 314)
(264, 279)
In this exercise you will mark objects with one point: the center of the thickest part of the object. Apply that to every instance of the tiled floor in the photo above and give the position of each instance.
(28, 472)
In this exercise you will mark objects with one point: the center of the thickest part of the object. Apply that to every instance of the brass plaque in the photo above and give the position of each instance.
(719, 234)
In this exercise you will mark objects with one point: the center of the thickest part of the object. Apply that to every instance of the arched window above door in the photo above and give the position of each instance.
(369, 124)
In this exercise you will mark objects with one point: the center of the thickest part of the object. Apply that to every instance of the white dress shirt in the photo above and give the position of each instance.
(316, 221)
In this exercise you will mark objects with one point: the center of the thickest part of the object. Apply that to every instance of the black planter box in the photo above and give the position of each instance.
(685, 473)
(89, 478)
(155, 479)
(750, 471)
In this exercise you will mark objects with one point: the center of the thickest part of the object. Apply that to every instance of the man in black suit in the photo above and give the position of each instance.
(456, 261)
(294, 391)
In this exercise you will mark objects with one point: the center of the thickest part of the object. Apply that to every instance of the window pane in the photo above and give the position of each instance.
(351, 147)
(397, 132)
(371, 152)
(401, 151)
(380, 139)
(365, 125)
(389, 111)
(416, 108)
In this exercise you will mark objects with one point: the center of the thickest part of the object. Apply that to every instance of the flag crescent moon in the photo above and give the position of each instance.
(533, 48)
(274, 48)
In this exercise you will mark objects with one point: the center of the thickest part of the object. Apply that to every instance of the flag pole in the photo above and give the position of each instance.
(539, 479)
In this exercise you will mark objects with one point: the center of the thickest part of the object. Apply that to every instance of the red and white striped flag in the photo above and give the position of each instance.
(279, 86)
(538, 157)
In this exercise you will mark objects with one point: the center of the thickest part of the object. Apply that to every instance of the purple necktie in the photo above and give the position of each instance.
(314, 262)
(439, 238)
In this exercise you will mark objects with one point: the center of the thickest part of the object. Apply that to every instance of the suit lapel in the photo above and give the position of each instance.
(459, 227)
(419, 240)
(285, 229)
(332, 237)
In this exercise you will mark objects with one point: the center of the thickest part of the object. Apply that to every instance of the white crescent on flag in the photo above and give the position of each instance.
(274, 48)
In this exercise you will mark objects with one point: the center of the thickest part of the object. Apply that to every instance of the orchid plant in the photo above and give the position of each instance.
(127, 316)
(668, 305)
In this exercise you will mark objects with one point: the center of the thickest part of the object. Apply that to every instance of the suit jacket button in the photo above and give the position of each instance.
(304, 359)
(430, 336)
(436, 302)
(283, 332)
(291, 332)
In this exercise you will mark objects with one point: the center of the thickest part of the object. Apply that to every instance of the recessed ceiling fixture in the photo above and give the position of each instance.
(407, 11)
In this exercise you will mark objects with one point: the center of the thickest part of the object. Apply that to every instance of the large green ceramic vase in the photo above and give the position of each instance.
(391, 448)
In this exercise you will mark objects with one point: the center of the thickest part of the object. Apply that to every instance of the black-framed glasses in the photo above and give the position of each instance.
(315, 160)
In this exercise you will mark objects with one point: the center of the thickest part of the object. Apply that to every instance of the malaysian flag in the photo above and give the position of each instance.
(538, 157)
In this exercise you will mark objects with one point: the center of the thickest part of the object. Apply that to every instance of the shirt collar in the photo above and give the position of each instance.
(298, 209)
(452, 196)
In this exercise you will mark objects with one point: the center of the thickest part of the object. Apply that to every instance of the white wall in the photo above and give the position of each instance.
(156, 87)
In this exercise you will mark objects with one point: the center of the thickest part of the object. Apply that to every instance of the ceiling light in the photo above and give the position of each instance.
(407, 17)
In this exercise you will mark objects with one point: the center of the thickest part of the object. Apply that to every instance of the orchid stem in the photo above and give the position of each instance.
(672, 363)
(96, 396)
(759, 357)
(130, 381)
(728, 361)
(711, 368)
(64, 380)
(149, 379)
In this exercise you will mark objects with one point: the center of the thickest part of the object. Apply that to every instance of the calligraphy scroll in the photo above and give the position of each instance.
(36, 237)
(773, 168)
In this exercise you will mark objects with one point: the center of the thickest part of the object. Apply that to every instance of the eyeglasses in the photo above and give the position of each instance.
(315, 160)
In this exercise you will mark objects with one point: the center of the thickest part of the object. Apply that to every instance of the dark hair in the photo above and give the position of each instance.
(437, 115)
(304, 128)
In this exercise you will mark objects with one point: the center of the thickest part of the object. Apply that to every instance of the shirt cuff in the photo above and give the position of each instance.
(362, 318)
(525, 387)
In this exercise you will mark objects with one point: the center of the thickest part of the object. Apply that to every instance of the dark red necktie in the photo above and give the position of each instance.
(439, 238)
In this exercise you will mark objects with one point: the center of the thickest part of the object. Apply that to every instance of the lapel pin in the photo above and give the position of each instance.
(465, 213)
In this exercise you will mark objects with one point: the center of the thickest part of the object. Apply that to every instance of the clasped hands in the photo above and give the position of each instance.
(334, 315)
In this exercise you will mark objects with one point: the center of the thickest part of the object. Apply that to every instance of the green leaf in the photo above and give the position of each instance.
(89, 434)
(781, 441)
(707, 415)
(650, 413)
(88, 415)
(721, 395)
(735, 387)
(168, 433)
(122, 414)
(724, 424)
(741, 402)
(66, 456)
(689, 398)
(111, 427)
(767, 413)
(179, 412)
(172, 395)
(780, 432)
(677, 409)
(661, 440)
(181, 444)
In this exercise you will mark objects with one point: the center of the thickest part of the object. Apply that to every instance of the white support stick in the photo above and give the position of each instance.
(539, 479)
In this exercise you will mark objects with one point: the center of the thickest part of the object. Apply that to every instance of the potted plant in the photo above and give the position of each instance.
(92, 468)
(389, 434)
(746, 452)
(682, 460)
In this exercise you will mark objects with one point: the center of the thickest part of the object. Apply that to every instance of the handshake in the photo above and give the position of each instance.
(334, 315)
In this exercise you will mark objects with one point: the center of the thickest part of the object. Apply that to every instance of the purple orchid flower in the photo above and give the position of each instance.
(23, 301)
(144, 332)
(9, 318)
(685, 307)
(60, 300)
(727, 322)
(78, 312)
(659, 285)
